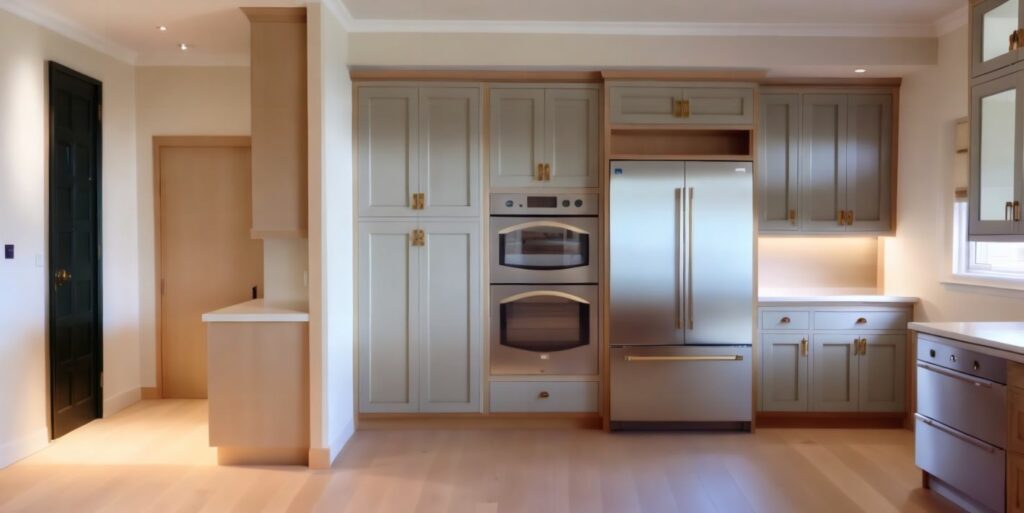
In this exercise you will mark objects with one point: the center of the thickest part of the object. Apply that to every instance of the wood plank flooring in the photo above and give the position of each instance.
(153, 457)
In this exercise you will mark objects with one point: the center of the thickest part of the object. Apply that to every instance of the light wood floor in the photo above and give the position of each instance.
(153, 457)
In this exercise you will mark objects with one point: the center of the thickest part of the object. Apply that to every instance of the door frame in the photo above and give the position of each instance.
(53, 67)
(159, 143)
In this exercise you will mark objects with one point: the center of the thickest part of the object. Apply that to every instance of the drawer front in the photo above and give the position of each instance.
(543, 396)
(785, 320)
(720, 106)
(892, 320)
(972, 405)
(933, 351)
(974, 468)
(639, 105)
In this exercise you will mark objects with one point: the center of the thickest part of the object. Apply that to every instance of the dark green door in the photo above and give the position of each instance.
(76, 359)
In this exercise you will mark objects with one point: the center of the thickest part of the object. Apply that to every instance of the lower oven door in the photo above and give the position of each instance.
(550, 330)
(972, 470)
(544, 250)
(969, 404)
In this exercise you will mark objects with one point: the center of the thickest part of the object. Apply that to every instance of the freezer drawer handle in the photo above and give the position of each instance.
(724, 358)
(955, 434)
(953, 375)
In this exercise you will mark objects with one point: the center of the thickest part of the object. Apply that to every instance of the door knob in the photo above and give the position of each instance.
(61, 277)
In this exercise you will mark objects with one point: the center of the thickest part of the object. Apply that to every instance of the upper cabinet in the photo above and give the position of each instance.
(544, 136)
(419, 151)
(995, 35)
(279, 127)
(996, 189)
(826, 163)
(682, 105)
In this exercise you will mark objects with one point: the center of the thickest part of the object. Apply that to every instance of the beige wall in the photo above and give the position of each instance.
(25, 49)
(917, 258)
(177, 101)
(823, 265)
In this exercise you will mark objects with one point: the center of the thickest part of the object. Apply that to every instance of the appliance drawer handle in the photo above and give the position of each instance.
(955, 434)
(723, 358)
(955, 375)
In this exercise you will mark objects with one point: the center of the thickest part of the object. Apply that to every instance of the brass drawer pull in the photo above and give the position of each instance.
(861, 320)
(543, 394)
(540, 173)
(792, 216)
(784, 320)
(1016, 211)
(803, 347)
(842, 217)
(685, 108)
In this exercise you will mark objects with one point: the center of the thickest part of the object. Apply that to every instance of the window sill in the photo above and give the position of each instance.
(984, 282)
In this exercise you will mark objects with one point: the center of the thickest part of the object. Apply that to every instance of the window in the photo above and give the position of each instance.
(999, 260)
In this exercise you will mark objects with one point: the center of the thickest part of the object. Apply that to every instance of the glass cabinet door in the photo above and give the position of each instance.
(545, 321)
(996, 156)
(994, 45)
(543, 245)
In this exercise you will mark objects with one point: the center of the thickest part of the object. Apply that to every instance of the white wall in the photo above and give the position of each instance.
(331, 238)
(24, 51)
(818, 265)
(916, 259)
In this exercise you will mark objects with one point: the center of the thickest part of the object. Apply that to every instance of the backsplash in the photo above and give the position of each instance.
(818, 266)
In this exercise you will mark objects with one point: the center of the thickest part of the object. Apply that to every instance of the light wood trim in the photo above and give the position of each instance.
(684, 75)
(831, 420)
(174, 141)
(279, 234)
(418, 421)
(275, 14)
(366, 75)
(674, 128)
(238, 456)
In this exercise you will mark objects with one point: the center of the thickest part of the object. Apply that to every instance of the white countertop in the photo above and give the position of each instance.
(1002, 336)
(260, 310)
(837, 299)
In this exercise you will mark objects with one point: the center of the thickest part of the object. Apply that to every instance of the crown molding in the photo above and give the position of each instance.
(340, 11)
(62, 26)
(951, 21)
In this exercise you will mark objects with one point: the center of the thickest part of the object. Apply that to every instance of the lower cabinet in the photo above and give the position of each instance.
(544, 396)
(420, 333)
(817, 367)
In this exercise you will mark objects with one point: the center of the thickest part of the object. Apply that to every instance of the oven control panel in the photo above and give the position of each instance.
(540, 204)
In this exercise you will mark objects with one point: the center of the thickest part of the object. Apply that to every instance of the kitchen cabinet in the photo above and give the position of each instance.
(826, 162)
(279, 127)
(544, 137)
(420, 333)
(785, 367)
(834, 368)
(995, 35)
(996, 190)
(419, 151)
(683, 104)
(881, 373)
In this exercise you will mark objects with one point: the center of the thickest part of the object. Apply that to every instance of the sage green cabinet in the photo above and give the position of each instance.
(996, 187)
(785, 367)
(779, 162)
(683, 104)
(881, 372)
(994, 35)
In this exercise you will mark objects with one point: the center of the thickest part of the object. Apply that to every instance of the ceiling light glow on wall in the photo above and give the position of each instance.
(162, 28)
(860, 70)
(183, 46)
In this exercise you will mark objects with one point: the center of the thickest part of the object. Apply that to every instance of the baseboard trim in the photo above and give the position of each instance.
(398, 421)
(831, 420)
(247, 456)
(118, 402)
(24, 446)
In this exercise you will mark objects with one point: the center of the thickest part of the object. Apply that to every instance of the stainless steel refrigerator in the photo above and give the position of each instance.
(681, 294)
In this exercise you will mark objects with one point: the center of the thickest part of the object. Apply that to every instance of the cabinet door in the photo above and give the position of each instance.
(1014, 482)
(784, 368)
(823, 162)
(388, 321)
(994, 22)
(718, 106)
(996, 162)
(882, 373)
(450, 332)
(640, 105)
(571, 137)
(388, 151)
(834, 373)
(517, 137)
(869, 162)
(449, 151)
(779, 166)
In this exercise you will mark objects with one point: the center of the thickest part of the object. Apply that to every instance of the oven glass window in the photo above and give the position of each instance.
(545, 323)
(544, 247)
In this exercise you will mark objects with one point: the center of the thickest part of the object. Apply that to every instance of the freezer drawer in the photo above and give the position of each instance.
(681, 384)
(966, 403)
(973, 469)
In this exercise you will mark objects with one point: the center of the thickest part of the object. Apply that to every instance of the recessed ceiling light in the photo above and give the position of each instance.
(162, 28)
(183, 46)
(860, 70)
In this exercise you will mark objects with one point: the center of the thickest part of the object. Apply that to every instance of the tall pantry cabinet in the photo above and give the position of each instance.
(419, 207)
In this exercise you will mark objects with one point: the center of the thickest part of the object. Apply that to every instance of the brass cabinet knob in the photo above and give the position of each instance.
(784, 320)
(861, 320)
(544, 394)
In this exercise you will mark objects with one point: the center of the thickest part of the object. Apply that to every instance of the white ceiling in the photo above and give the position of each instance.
(217, 31)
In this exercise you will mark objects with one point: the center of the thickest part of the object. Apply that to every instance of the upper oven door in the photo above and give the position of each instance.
(544, 250)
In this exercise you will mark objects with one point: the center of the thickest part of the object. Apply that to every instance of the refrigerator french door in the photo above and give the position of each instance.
(681, 294)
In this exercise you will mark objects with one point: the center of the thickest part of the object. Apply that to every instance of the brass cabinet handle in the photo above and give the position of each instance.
(856, 346)
(419, 200)
(1016, 211)
(1008, 211)
(543, 394)
(1014, 40)
(863, 346)
(677, 108)
(792, 216)
(547, 172)
(842, 217)
(540, 173)
(785, 320)
(418, 238)
(685, 109)
(849, 218)
(803, 347)
(861, 320)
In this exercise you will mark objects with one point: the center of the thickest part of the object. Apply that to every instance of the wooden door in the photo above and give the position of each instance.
(389, 330)
(823, 162)
(993, 23)
(645, 105)
(882, 373)
(449, 151)
(779, 166)
(869, 162)
(719, 106)
(784, 371)
(450, 332)
(996, 161)
(207, 258)
(388, 151)
(75, 299)
(571, 137)
(517, 137)
(834, 375)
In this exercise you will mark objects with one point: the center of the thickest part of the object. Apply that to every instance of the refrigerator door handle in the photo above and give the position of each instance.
(680, 270)
(689, 261)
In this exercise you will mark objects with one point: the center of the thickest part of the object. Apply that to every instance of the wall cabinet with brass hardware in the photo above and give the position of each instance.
(833, 359)
(544, 136)
(419, 151)
(689, 104)
(826, 162)
(995, 35)
(420, 317)
(996, 187)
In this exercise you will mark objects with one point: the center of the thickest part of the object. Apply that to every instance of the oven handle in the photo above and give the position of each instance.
(534, 224)
(543, 293)
(955, 434)
(712, 358)
(978, 382)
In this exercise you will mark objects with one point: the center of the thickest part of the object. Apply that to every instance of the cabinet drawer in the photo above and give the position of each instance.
(894, 320)
(543, 396)
(785, 320)
(678, 105)
(975, 468)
